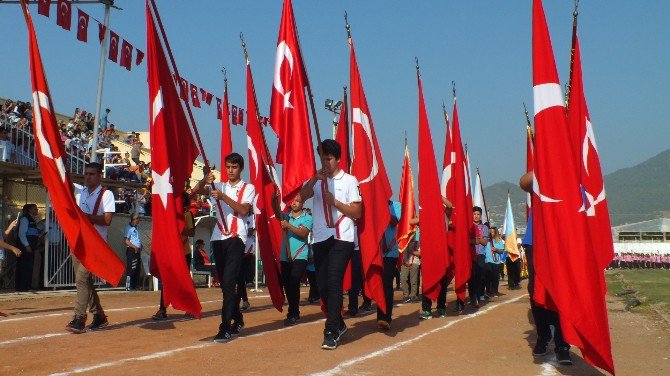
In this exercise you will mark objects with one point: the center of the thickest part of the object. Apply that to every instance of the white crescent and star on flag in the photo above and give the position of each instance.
(162, 182)
(283, 53)
(361, 118)
(83, 22)
(64, 8)
(41, 101)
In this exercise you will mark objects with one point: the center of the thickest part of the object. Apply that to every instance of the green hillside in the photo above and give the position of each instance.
(634, 194)
(640, 192)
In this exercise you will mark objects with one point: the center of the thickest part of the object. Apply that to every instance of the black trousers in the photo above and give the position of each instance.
(388, 277)
(132, 267)
(246, 273)
(330, 259)
(544, 318)
(356, 279)
(513, 272)
(24, 266)
(291, 273)
(492, 277)
(426, 304)
(313, 285)
(228, 255)
(476, 283)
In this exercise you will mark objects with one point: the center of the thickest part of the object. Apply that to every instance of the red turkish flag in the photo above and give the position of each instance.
(173, 152)
(126, 55)
(226, 138)
(139, 57)
(408, 203)
(85, 242)
(586, 151)
(208, 98)
(183, 89)
(268, 230)
(461, 216)
(240, 116)
(195, 100)
(529, 164)
(234, 114)
(102, 30)
(468, 176)
(572, 275)
(288, 110)
(368, 168)
(64, 15)
(82, 25)
(342, 136)
(218, 108)
(113, 46)
(434, 250)
(447, 185)
(43, 7)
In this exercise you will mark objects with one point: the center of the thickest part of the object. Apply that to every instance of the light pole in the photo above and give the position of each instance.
(101, 79)
(334, 107)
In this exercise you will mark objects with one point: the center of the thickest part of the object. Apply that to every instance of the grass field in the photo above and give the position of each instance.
(653, 286)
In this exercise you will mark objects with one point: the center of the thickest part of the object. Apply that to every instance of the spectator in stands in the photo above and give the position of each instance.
(201, 260)
(104, 120)
(205, 207)
(7, 150)
(110, 133)
(140, 201)
(135, 152)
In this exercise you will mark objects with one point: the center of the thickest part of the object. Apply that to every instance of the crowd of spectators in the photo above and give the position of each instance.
(77, 137)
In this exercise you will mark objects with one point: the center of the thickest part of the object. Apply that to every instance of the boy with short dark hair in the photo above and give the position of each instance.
(229, 237)
(335, 192)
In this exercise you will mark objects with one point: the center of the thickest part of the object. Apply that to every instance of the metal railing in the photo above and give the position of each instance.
(23, 142)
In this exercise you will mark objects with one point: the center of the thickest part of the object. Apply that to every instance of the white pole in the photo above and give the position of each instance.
(101, 78)
(256, 265)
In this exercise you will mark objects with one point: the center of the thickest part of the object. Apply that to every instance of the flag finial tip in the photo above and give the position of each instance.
(244, 47)
(416, 60)
(575, 13)
(346, 24)
(225, 76)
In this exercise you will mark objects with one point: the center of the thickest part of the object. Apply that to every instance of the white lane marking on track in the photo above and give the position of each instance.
(340, 367)
(115, 310)
(163, 354)
(119, 326)
(31, 338)
(549, 369)
(107, 310)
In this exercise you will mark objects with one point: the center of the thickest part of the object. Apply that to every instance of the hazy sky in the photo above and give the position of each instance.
(485, 46)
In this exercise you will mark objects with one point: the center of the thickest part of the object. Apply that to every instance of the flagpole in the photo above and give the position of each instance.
(192, 125)
(529, 126)
(275, 203)
(446, 116)
(481, 186)
(575, 13)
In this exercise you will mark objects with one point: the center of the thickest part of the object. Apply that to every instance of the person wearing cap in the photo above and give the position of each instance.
(390, 256)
